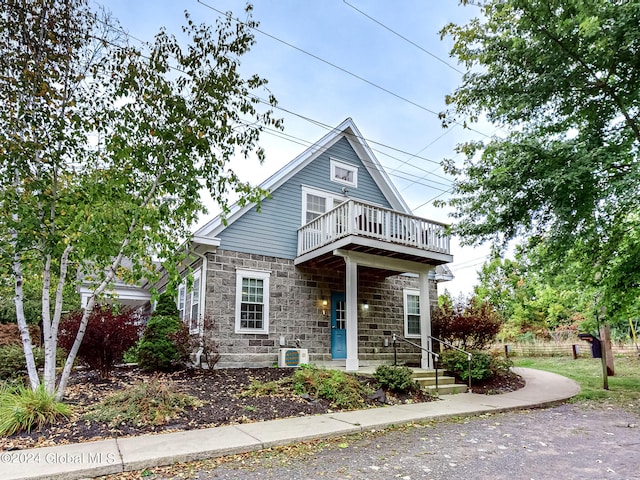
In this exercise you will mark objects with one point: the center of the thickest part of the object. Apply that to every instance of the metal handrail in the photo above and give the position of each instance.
(455, 348)
(436, 357)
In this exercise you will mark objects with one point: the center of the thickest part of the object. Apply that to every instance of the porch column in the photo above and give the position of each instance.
(425, 320)
(351, 298)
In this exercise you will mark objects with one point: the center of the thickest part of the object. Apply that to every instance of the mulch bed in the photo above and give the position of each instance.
(221, 404)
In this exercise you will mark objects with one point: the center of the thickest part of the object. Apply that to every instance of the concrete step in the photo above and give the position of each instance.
(427, 381)
(446, 383)
(448, 389)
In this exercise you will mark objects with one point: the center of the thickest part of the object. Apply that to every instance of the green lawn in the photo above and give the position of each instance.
(624, 387)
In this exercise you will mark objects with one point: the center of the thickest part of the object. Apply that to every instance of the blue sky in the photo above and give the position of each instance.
(401, 86)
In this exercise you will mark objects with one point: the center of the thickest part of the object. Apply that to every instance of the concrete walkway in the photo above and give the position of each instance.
(104, 457)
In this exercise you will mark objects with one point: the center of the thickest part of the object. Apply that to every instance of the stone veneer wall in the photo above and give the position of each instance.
(295, 310)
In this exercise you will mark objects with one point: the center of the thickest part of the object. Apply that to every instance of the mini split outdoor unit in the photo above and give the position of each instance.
(292, 357)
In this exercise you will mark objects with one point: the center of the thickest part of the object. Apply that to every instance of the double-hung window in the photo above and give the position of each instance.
(195, 303)
(182, 299)
(411, 313)
(252, 301)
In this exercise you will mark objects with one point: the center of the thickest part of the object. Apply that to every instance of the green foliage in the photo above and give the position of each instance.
(131, 355)
(261, 389)
(168, 117)
(539, 299)
(483, 365)
(466, 323)
(166, 306)
(32, 299)
(145, 403)
(624, 387)
(561, 77)
(23, 409)
(12, 361)
(395, 378)
(157, 349)
(342, 389)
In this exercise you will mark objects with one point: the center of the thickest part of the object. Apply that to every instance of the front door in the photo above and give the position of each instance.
(338, 326)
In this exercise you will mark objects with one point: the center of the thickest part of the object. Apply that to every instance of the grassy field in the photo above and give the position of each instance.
(624, 387)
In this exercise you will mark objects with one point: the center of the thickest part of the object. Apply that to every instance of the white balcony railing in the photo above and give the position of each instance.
(363, 219)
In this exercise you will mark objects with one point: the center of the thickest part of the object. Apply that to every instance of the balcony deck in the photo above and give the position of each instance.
(368, 228)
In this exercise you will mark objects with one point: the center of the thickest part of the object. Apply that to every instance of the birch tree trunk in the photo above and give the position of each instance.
(22, 322)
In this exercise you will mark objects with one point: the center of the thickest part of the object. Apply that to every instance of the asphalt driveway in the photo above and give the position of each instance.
(572, 441)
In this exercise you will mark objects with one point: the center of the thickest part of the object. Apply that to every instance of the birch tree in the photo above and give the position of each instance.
(105, 147)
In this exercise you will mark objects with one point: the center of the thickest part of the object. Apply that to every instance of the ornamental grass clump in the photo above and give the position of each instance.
(145, 403)
(23, 409)
(340, 388)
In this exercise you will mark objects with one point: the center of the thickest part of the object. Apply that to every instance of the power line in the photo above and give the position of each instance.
(320, 59)
(306, 143)
(404, 38)
(129, 35)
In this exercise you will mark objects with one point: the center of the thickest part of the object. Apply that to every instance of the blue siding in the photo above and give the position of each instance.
(274, 231)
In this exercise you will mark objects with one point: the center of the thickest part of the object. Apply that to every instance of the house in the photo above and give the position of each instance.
(335, 261)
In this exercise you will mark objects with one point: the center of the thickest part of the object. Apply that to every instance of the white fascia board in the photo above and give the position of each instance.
(347, 129)
(215, 226)
(206, 241)
(375, 169)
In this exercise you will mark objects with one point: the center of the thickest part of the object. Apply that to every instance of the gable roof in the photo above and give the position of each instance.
(347, 129)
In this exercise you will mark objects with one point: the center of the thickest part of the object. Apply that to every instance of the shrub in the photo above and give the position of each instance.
(165, 343)
(157, 350)
(469, 324)
(340, 388)
(150, 403)
(13, 364)
(22, 408)
(483, 365)
(457, 363)
(206, 342)
(109, 334)
(395, 378)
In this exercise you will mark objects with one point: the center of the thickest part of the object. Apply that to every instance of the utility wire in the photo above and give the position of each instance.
(404, 38)
(448, 180)
(344, 70)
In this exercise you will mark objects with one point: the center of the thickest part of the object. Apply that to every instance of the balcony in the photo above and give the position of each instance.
(371, 229)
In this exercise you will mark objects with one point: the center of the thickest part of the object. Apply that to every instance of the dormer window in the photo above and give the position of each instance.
(344, 173)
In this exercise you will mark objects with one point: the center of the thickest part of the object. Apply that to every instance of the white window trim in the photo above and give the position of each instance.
(259, 275)
(338, 164)
(406, 292)
(330, 197)
(182, 300)
(196, 276)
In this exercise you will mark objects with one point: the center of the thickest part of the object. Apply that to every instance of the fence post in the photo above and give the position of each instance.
(574, 351)
(506, 351)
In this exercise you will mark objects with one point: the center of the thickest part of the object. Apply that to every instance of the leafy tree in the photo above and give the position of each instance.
(110, 332)
(562, 77)
(32, 299)
(466, 323)
(105, 147)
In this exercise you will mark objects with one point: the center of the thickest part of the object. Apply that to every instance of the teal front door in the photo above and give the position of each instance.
(338, 326)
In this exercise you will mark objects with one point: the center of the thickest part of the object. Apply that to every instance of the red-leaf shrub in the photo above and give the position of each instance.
(468, 324)
(109, 334)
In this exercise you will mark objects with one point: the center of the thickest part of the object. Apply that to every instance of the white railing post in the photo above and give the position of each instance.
(360, 218)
